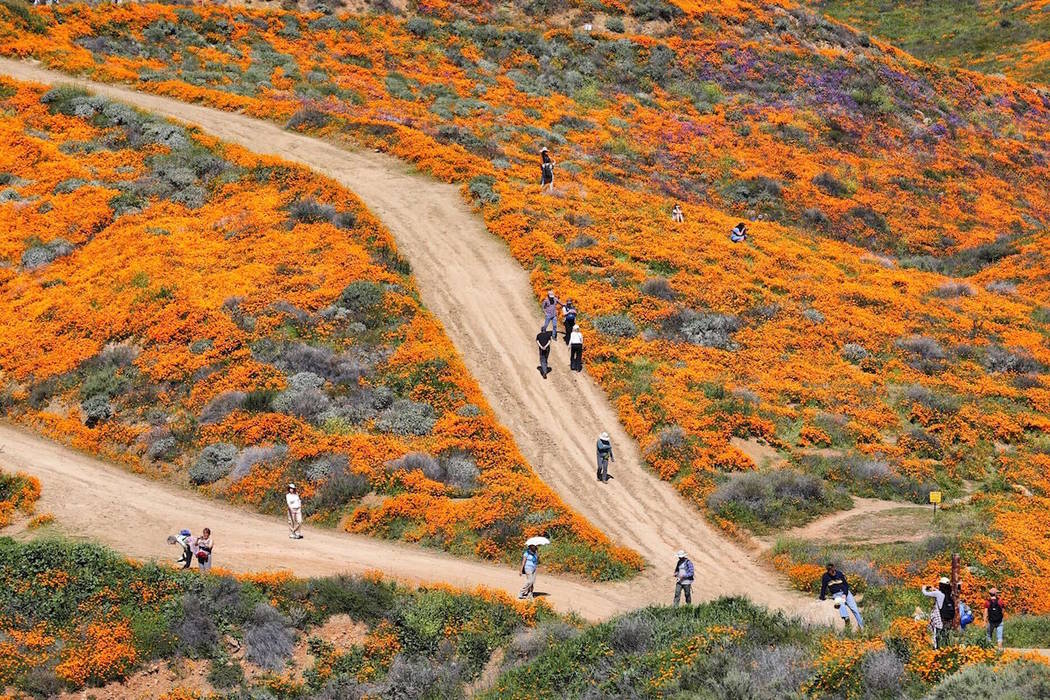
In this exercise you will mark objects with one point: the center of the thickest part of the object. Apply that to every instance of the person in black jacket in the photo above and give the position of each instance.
(834, 581)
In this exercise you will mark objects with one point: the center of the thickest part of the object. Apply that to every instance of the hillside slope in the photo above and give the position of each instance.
(210, 317)
(885, 326)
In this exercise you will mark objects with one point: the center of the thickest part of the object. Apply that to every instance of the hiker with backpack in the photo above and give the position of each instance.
(530, 561)
(605, 455)
(204, 550)
(943, 613)
(546, 170)
(834, 581)
(295, 513)
(683, 578)
(543, 342)
(186, 541)
(576, 349)
(994, 612)
(550, 313)
(568, 310)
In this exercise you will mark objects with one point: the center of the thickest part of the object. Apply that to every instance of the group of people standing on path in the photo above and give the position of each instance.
(572, 333)
(941, 616)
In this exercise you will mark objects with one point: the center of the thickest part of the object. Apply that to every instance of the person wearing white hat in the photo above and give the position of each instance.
(943, 610)
(605, 455)
(683, 578)
(546, 170)
(295, 513)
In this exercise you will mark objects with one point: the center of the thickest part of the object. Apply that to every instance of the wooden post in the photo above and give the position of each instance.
(955, 589)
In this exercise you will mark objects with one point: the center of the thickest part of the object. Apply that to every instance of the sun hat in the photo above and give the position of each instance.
(604, 437)
(945, 579)
(291, 486)
(680, 554)
(184, 533)
(543, 149)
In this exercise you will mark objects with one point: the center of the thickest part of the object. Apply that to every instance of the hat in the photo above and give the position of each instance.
(291, 486)
(945, 579)
(604, 437)
(543, 149)
(680, 554)
(184, 533)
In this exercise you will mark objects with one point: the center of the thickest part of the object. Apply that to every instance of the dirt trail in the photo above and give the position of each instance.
(469, 280)
(827, 528)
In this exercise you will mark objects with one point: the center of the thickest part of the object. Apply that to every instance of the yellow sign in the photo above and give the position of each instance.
(935, 496)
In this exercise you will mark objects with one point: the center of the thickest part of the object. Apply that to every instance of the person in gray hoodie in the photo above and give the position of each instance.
(605, 455)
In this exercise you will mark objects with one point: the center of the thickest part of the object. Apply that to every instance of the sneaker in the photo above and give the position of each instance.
(291, 535)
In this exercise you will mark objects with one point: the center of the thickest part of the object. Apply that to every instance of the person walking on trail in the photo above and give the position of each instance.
(605, 455)
(568, 310)
(295, 513)
(683, 578)
(834, 581)
(530, 561)
(676, 213)
(546, 170)
(205, 545)
(550, 313)
(576, 349)
(739, 233)
(943, 612)
(543, 342)
(994, 612)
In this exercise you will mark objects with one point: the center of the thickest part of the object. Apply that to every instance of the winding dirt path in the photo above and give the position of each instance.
(483, 297)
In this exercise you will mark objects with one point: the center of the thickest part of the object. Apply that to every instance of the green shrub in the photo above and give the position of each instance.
(481, 189)
(214, 462)
(764, 500)
(1021, 679)
(616, 325)
(225, 673)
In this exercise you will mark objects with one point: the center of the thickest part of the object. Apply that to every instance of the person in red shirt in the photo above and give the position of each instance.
(994, 612)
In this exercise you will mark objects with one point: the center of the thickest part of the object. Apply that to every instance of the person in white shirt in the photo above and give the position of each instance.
(576, 349)
(295, 513)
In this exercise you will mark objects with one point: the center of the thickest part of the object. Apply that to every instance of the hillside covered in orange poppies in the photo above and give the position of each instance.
(885, 325)
(235, 323)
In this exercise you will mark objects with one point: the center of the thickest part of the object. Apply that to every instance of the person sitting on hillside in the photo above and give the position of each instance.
(834, 581)
(676, 213)
(739, 233)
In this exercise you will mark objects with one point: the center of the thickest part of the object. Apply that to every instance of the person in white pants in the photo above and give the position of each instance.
(295, 513)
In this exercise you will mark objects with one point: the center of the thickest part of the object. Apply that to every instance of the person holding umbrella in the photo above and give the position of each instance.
(530, 561)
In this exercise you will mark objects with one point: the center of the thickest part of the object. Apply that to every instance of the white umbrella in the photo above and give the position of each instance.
(536, 541)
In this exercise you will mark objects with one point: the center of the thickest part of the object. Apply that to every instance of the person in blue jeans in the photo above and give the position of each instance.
(550, 313)
(834, 581)
(994, 612)
(683, 578)
(530, 561)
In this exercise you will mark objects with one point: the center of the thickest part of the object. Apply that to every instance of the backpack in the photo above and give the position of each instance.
(202, 556)
(948, 609)
(995, 611)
